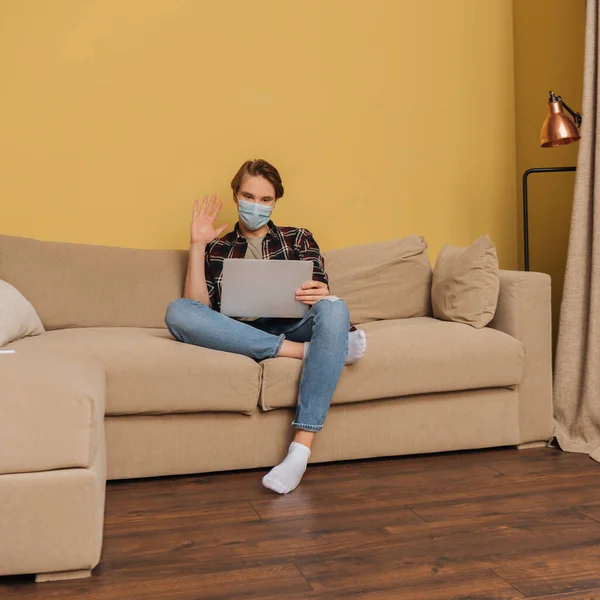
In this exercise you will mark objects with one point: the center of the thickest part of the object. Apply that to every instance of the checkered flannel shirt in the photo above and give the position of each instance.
(280, 243)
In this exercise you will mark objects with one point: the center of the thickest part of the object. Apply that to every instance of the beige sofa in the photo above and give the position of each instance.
(167, 408)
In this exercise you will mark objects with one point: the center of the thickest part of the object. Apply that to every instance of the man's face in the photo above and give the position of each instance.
(256, 189)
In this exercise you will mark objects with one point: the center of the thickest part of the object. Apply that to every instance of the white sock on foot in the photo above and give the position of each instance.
(286, 476)
(357, 344)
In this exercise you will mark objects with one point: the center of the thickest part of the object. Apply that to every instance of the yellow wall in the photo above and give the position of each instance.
(385, 117)
(549, 42)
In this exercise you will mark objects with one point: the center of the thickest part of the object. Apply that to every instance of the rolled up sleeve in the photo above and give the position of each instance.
(210, 284)
(308, 249)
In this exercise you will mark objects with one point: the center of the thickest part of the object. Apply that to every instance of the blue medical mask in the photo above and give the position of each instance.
(254, 215)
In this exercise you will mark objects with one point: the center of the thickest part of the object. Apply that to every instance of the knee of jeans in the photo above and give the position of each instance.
(336, 312)
(177, 315)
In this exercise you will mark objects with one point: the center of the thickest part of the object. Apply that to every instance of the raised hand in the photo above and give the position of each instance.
(203, 221)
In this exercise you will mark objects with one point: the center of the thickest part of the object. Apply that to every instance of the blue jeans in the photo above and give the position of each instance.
(325, 325)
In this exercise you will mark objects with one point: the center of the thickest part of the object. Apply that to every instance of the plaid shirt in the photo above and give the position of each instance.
(280, 243)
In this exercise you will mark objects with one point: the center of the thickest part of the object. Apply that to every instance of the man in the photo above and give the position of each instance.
(323, 338)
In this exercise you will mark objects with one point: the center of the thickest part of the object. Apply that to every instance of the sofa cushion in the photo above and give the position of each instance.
(51, 410)
(466, 283)
(406, 357)
(81, 285)
(148, 372)
(382, 280)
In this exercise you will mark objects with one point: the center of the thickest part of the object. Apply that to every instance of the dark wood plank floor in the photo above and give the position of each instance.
(498, 524)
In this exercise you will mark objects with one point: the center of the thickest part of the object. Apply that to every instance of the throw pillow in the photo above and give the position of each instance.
(18, 318)
(466, 283)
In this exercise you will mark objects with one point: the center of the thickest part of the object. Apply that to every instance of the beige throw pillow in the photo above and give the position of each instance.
(466, 284)
(18, 318)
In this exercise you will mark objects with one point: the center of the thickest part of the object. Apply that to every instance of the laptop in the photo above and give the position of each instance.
(264, 288)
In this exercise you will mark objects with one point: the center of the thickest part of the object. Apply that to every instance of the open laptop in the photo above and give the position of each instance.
(264, 288)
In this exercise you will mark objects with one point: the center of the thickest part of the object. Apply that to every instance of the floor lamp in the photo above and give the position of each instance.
(558, 129)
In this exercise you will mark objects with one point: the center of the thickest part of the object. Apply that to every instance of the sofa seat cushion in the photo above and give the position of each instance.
(148, 372)
(406, 357)
(51, 410)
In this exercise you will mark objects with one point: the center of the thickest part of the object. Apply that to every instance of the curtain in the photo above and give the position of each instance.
(577, 367)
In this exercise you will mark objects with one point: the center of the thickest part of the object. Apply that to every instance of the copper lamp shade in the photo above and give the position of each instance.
(558, 128)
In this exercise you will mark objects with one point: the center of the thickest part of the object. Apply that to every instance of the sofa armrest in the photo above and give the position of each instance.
(524, 312)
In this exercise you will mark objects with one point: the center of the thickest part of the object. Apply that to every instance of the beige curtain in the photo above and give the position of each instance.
(577, 369)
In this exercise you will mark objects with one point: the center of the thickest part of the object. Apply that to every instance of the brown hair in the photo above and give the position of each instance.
(258, 168)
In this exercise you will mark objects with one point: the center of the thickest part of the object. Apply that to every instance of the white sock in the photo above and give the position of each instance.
(357, 344)
(286, 476)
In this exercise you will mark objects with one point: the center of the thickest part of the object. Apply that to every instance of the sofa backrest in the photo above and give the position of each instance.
(382, 280)
(80, 285)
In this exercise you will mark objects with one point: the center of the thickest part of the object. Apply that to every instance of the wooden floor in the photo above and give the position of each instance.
(502, 524)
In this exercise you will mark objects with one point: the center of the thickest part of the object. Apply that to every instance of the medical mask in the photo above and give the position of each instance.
(254, 215)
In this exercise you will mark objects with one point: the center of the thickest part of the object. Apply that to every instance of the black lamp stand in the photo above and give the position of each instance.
(525, 207)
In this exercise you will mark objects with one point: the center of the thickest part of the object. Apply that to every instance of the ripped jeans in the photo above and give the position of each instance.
(325, 326)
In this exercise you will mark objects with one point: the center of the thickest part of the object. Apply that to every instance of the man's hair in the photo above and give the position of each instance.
(258, 168)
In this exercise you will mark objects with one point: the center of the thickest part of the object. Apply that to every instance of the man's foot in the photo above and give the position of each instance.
(357, 344)
(286, 476)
